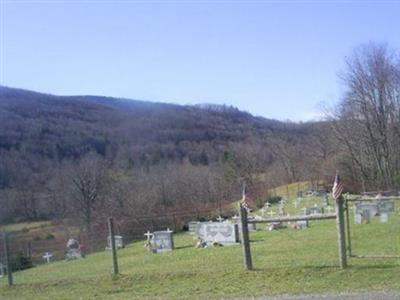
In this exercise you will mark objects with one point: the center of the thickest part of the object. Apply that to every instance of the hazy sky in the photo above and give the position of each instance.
(278, 59)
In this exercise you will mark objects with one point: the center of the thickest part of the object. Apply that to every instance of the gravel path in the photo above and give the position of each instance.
(376, 295)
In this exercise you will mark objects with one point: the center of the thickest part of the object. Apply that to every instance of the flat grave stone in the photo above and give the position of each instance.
(223, 233)
(162, 241)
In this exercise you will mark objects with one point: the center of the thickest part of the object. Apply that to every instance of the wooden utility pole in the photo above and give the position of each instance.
(340, 225)
(7, 259)
(113, 247)
(245, 238)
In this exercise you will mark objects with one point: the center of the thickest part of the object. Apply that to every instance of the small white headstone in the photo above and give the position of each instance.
(384, 218)
(357, 218)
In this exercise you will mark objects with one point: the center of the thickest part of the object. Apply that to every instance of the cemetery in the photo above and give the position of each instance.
(292, 251)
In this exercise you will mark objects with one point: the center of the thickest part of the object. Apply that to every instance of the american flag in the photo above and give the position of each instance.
(337, 187)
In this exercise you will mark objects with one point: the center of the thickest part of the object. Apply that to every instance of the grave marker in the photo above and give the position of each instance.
(384, 218)
(386, 206)
(162, 241)
(119, 242)
(223, 233)
(47, 256)
(372, 209)
(358, 218)
(193, 226)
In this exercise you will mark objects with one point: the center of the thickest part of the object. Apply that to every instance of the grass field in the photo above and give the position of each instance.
(285, 261)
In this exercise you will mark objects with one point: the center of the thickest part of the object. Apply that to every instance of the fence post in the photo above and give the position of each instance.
(348, 228)
(113, 248)
(245, 238)
(7, 259)
(340, 226)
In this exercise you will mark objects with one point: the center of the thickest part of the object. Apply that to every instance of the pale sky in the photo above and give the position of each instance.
(277, 59)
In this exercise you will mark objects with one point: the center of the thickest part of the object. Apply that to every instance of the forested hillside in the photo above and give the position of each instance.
(83, 156)
(139, 154)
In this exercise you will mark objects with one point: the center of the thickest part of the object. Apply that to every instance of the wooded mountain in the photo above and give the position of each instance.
(43, 137)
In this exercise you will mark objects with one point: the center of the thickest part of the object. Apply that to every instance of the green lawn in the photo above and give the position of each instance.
(285, 261)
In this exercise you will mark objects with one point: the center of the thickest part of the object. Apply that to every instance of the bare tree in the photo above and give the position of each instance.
(89, 183)
(368, 118)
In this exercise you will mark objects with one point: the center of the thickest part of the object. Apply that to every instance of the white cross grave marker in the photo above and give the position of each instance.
(272, 213)
(47, 256)
(148, 234)
(220, 219)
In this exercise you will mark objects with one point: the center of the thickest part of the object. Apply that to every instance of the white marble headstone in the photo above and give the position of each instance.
(223, 233)
(384, 218)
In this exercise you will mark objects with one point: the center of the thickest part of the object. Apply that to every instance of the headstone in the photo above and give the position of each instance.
(366, 216)
(223, 233)
(47, 257)
(383, 218)
(2, 272)
(386, 206)
(371, 208)
(193, 226)
(251, 226)
(358, 218)
(220, 219)
(162, 241)
(300, 225)
(314, 211)
(73, 249)
(119, 242)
